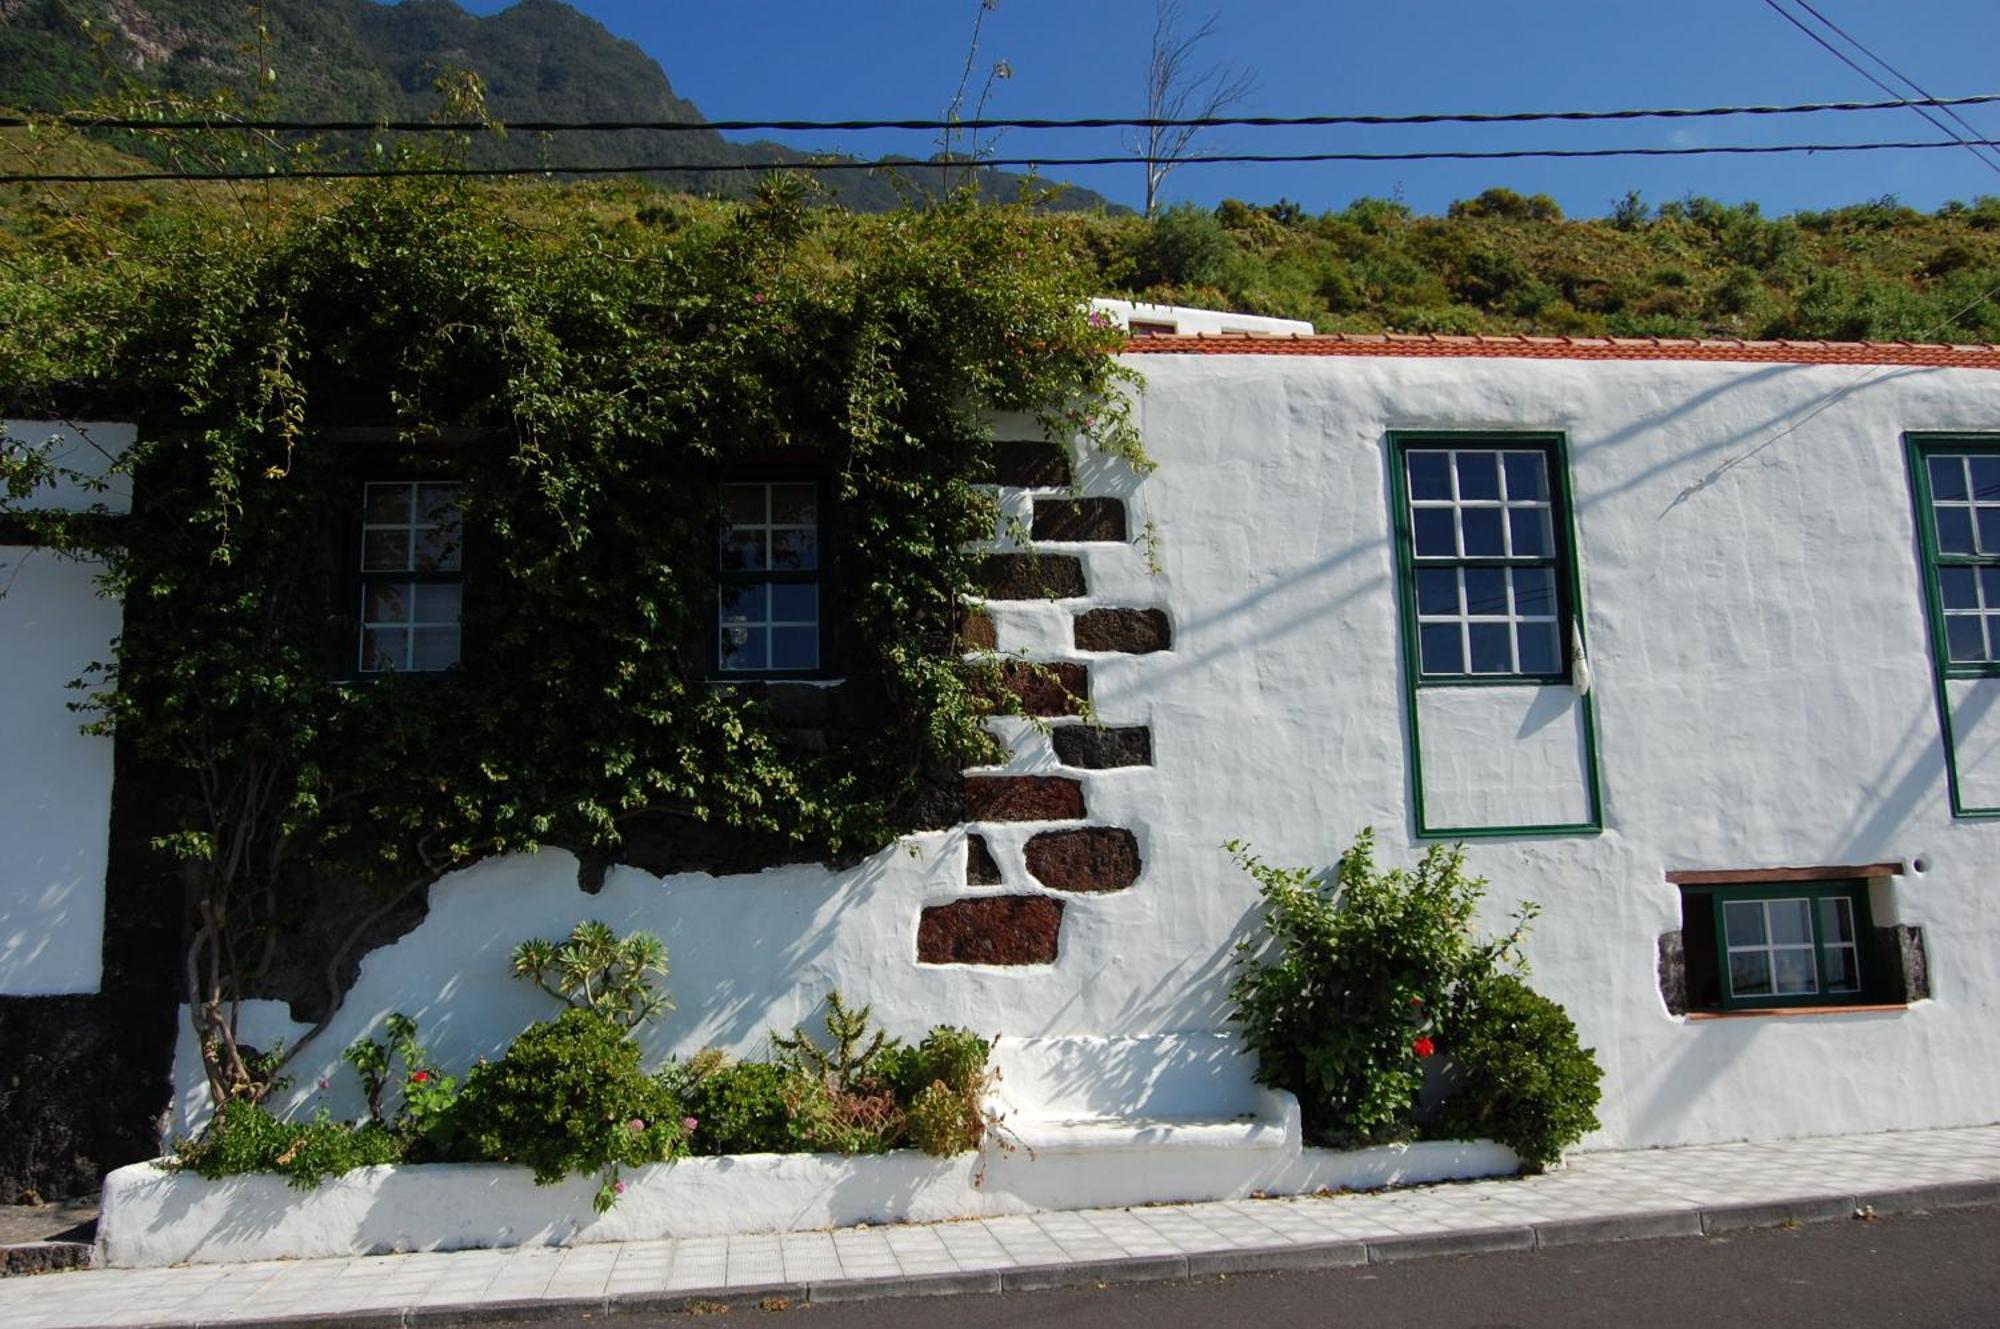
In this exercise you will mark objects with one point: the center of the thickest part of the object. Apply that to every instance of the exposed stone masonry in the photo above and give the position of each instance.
(1023, 798)
(1080, 519)
(991, 929)
(1031, 464)
(1093, 858)
(1055, 688)
(1133, 631)
(980, 869)
(1032, 576)
(1093, 748)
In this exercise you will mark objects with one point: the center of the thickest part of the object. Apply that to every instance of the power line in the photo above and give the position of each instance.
(85, 120)
(1894, 72)
(1971, 145)
(1213, 159)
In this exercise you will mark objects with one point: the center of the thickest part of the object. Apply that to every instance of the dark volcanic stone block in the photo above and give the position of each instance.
(1673, 972)
(1057, 688)
(980, 868)
(1095, 749)
(1030, 464)
(1094, 858)
(993, 929)
(1080, 519)
(1134, 631)
(1031, 576)
(1022, 798)
(976, 631)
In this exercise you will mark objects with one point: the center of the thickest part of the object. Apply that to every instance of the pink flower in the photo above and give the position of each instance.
(420, 1077)
(688, 1124)
(325, 1083)
(618, 1187)
(757, 299)
(635, 1125)
(1423, 1046)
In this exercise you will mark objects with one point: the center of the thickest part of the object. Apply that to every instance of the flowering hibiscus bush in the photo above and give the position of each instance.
(1361, 978)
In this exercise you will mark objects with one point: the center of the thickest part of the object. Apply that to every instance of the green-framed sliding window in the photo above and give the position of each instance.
(1487, 584)
(1955, 491)
(1757, 947)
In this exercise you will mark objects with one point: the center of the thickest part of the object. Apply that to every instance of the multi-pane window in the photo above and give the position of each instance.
(1964, 501)
(768, 603)
(1780, 945)
(1482, 538)
(412, 576)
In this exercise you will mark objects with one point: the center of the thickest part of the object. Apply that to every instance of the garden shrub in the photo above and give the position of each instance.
(425, 1122)
(595, 969)
(738, 1106)
(244, 1137)
(569, 1098)
(1362, 976)
(1524, 1078)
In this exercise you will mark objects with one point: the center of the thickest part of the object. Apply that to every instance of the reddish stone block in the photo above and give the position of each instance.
(1133, 631)
(1093, 858)
(1032, 576)
(992, 929)
(976, 631)
(980, 867)
(1023, 798)
(1053, 689)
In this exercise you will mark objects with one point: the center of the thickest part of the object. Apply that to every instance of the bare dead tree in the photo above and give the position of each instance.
(1178, 88)
(1000, 70)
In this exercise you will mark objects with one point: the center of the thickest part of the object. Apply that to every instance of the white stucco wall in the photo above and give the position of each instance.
(55, 783)
(1763, 694)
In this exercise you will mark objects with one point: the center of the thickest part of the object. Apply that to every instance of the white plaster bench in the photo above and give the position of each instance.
(1166, 1092)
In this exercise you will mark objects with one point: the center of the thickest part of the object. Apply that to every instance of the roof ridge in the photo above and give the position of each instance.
(1980, 355)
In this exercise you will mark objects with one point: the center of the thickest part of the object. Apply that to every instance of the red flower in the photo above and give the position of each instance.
(419, 1077)
(1423, 1046)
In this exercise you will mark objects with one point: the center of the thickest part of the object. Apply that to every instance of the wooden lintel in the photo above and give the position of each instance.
(1759, 876)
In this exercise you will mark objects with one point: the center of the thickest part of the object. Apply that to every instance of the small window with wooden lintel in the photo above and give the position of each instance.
(1783, 940)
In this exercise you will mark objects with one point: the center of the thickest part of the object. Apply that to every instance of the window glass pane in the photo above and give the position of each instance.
(1986, 479)
(386, 504)
(1437, 590)
(743, 505)
(438, 602)
(1989, 530)
(434, 648)
(1478, 475)
(1491, 648)
(745, 604)
(1960, 587)
(1791, 922)
(1743, 921)
(438, 549)
(794, 648)
(1843, 970)
(1527, 477)
(1530, 528)
(1540, 652)
(1440, 645)
(1430, 474)
(385, 551)
(1948, 478)
(1796, 972)
(1486, 591)
(385, 602)
(1482, 532)
(437, 505)
(1992, 636)
(1963, 640)
(1750, 974)
(1836, 920)
(384, 648)
(794, 505)
(1534, 590)
(795, 551)
(1954, 530)
(794, 603)
(1434, 533)
(743, 648)
(1989, 583)
(743, 551)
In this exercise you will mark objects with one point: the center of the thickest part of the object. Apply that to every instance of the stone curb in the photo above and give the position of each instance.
(1689, 1222)
(24, 1258)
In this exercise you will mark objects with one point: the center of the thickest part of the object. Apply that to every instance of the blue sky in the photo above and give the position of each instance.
(901, 58)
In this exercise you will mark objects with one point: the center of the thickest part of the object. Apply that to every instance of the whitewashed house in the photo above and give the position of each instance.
(1694, 644)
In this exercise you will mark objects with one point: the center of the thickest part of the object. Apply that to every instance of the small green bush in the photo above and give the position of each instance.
(569, 1098)
(1527, 1081)
(738, 1106)
(243, 1137)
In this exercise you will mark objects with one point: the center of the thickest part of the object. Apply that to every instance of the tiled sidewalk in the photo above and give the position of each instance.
(1598, 1197)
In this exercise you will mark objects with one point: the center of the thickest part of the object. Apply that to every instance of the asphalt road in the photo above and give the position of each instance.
(1913, 1270)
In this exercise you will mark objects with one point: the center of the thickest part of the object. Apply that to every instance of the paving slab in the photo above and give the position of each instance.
(1594, 1198)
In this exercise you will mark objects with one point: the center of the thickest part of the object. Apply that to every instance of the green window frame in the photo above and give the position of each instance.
(1955, 496)
(1778, 944)
(1489, 548)
(410, 571)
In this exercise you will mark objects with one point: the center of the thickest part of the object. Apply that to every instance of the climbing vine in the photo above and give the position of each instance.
(587, 375)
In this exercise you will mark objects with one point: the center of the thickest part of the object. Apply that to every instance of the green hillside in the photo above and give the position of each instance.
(361, 60)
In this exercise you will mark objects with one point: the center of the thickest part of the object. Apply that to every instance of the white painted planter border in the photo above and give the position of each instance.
(155, 1217)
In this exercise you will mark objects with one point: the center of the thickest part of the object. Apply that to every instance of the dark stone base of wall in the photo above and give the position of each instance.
(993, 929)
(83, 1081)
(45, 1257)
